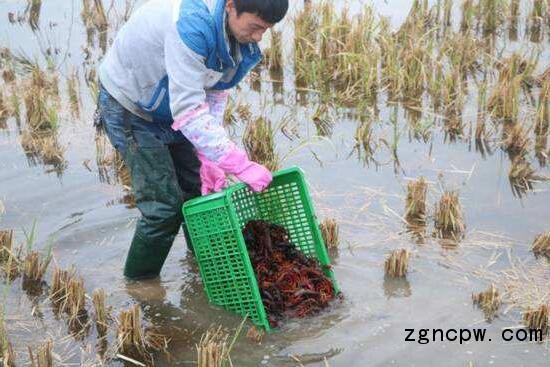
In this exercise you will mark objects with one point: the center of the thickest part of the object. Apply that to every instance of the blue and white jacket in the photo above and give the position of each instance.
(168, 58)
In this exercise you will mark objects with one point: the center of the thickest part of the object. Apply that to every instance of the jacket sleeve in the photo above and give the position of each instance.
(187, 75)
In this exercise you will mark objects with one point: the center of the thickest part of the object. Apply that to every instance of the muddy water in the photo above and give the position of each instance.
(90, 227)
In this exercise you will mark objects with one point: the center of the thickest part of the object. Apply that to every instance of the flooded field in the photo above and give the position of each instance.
(422, 128)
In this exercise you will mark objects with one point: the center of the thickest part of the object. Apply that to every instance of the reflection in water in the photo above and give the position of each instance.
(396, 287)
(33, 9)
(417, 233)
(179, 323)
(277, 83)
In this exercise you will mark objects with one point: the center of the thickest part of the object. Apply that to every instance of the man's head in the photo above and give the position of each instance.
(249, 19)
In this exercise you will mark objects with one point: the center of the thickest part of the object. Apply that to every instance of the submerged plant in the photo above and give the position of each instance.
(397, 263)
(448, 217)
(489, 301)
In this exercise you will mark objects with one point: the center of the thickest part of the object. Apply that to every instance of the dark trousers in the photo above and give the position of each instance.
(165, 173)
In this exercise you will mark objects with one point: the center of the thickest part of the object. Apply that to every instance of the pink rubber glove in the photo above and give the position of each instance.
(212, 177)
(253, 174)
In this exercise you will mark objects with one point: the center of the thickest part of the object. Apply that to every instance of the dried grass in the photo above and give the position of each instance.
(34, 266)
(522, 285)
(102, 313)
(58, 290)
(448, 217)
(489, 301)
(259, 142)
(212, 350)
(329, 231)
(7, 355)
(75, 305)
(6, 244)
(44, 356)
(541, 245)
(538, 318)
(397, 263)
(516, 140)
(522, 176)
(415, 202)
(130, 335)
(41, 110)
(515, 73)
(254, 334)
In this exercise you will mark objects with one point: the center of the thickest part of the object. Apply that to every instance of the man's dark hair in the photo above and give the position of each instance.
(270, 11)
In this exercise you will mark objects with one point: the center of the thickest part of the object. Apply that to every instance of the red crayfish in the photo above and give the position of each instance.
(291, 284)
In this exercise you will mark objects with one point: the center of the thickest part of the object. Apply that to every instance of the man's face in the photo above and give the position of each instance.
(246, 27)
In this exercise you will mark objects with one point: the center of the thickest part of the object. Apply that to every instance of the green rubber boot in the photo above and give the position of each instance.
(145, 260)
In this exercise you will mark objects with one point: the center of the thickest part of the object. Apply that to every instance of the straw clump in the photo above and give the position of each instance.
(7, 355)
(330, 232)
(34, 266)
(397, 263)
(41, 111)
(538, 318)
(515, 73)
(541, 245)
(130, 336)
(75, 304)
(448, 218)
(6, 244)
(44, 355)
(522, 176)
(213, 349)
(489, 301)
(102, 313)
(415, 202)
(58, 290)
(133, 340)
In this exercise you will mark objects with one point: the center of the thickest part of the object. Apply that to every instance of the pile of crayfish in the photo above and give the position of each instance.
(291, 284)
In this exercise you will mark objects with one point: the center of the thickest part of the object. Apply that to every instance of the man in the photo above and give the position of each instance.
(162, 98)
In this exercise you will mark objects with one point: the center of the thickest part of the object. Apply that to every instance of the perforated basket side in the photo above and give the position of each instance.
(224, 265)
(287, 203)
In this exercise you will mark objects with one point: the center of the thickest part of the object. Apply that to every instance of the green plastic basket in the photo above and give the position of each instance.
(215, 222)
